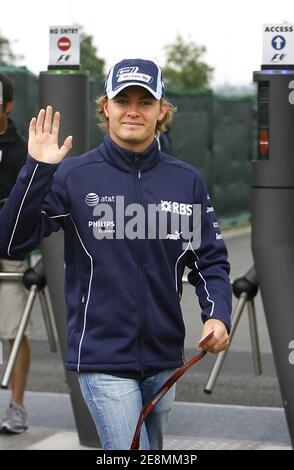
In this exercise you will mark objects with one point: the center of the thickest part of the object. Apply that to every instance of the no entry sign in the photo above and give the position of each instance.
(64, 45)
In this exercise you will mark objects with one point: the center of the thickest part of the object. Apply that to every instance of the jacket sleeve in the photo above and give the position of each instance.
(209, 264)
(35, 208)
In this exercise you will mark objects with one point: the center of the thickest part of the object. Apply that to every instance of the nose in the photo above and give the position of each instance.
(133, 111)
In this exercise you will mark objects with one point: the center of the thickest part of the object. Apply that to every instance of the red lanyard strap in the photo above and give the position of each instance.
(161, 392)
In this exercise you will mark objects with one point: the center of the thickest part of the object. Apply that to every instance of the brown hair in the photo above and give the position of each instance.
(160, 125)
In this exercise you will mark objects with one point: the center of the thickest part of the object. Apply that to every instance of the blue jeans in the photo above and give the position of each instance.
(115, 404)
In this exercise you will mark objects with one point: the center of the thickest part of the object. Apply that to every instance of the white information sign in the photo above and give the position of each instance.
(278, 44)
(64, 45)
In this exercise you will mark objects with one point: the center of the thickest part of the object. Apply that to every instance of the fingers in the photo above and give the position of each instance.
(56, 124)
(44, 124)
(205, 338)
(40, 121)
(217, 344)
(67, 145)
(48, 119)
(220, 339)
(32, 128)
(68, 142)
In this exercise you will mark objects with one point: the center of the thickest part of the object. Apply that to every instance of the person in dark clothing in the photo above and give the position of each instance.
(13, 148)
(133, 219)
(13, 153)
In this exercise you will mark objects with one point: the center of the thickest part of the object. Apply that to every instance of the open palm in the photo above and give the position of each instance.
(43, 138)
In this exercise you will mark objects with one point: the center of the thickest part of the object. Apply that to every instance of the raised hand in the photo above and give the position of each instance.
(43, 138)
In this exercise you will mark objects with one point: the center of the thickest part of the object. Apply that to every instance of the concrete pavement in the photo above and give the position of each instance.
(191, 426)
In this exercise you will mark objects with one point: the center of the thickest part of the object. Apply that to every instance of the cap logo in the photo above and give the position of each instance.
(131, 73)
(127, 70)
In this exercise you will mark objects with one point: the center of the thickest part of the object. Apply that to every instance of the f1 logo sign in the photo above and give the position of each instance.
(63, 58)
(291, 94)
(278, 57)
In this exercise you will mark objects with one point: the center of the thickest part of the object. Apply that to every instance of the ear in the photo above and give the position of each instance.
(105, 107)
(163, 110)
(8, 107)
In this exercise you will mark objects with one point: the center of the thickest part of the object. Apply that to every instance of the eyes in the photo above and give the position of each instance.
(125, 102)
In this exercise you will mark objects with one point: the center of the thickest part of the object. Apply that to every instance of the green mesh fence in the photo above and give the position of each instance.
(191, 130)
(232, 153)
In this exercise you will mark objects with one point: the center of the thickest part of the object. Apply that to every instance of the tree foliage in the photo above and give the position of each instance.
(7, 56)
(184, 68)
(89, 56)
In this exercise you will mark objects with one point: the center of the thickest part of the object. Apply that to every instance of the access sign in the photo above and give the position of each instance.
(64, 46)
(278, 44)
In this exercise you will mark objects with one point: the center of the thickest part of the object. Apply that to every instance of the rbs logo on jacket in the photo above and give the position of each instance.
(176, 207)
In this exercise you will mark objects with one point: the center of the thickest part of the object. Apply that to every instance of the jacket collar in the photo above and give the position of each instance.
(128, 161)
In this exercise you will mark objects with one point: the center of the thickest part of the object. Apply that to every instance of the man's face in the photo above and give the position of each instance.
(5, 109)
(133, 115)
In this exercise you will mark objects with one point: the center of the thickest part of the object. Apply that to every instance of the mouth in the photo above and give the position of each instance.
(132, 123)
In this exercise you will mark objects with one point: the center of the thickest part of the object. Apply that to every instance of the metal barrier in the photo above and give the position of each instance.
(245, 289)
(35, 282)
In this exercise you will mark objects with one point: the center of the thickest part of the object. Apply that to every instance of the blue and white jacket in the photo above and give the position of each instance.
(122, 293)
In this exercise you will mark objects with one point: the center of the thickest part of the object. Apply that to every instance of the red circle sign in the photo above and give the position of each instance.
(63, 43)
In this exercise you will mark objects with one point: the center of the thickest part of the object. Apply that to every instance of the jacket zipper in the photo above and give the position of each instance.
(137, 175)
